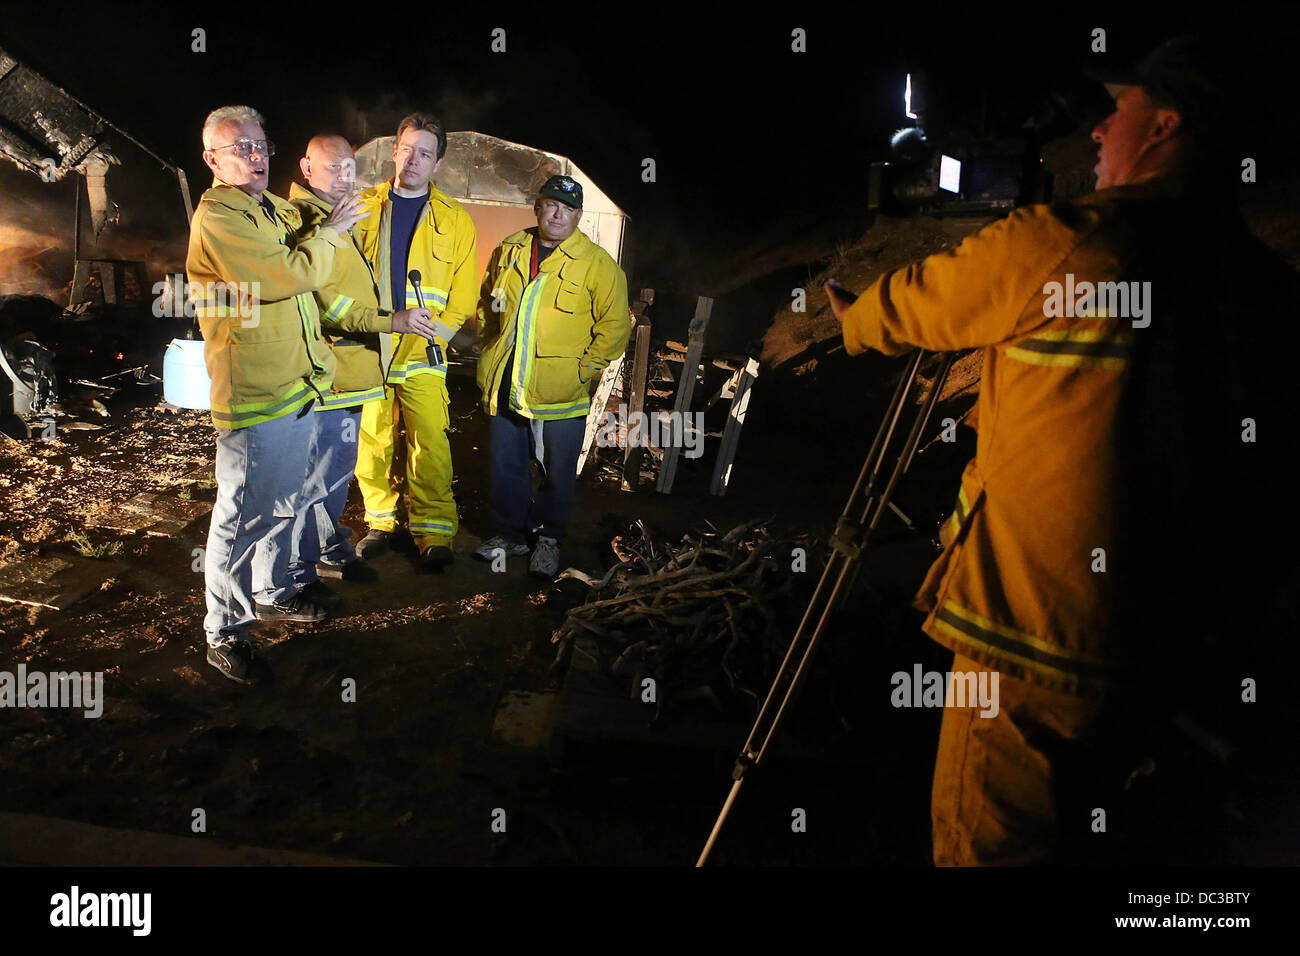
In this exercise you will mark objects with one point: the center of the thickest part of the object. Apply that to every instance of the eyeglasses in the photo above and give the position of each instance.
(246, 147)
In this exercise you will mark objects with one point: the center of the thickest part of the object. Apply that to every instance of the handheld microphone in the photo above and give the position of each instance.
(433, 352)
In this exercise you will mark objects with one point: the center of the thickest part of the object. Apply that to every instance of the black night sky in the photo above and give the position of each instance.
(750, 139)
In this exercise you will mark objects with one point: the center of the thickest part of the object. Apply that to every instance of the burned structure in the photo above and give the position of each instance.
(47, 132)
(52, 135)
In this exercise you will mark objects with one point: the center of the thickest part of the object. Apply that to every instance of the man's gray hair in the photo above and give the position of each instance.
(228, 114)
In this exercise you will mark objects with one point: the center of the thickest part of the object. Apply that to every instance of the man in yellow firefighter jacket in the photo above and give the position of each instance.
(253, 270)
(414, 226)
(359, 334)
(552, 314)
(1075, 562)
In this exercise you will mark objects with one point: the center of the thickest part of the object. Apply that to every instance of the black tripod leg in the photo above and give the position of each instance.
(841, 568)
(862, 488)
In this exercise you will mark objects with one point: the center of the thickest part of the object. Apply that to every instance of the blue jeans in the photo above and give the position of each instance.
(515, 508)
(260, 472)
(318, 530)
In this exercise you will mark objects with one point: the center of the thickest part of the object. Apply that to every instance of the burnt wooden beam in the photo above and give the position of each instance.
(685, 390)
(608, 376)
(633, 455)
(731, 434)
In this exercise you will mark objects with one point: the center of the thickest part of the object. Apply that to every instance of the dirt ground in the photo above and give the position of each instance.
(409, 774)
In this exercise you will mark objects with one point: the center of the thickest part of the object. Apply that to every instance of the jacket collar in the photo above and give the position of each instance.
(381, 192)
(577, 246)
(297, 191)
(1179, 194)
(1151, 186)
(236, 198)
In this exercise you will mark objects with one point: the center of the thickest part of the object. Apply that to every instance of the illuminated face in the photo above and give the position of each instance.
(1125, 136)
(330, 168)
(556, 221)
(240, 157)
(416, 158)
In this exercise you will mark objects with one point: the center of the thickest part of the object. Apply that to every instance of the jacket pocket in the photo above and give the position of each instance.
(267, 324)
(572, 297)
(265, 371)
(358, 366)
(559, 332)
(556, 381)
(442, 245)
(574, 271)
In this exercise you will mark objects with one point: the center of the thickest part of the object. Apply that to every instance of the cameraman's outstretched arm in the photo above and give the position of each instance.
(987, 290)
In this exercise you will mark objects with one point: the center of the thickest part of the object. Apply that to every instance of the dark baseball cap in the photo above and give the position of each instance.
(1184, 74)
(563, 188)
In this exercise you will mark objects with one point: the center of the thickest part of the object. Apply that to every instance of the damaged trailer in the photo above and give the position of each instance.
(496, 181)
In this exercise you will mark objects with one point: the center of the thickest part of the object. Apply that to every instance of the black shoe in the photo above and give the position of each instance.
(298, 608)
(436, 557)
(374, 543)
(236, 661)
(355, 572)
(403, 543)
(318, 592)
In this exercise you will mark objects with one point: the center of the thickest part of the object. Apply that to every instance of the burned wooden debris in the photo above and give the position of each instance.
(629, 412)
(708, 617)
(50, 133)
(685, 391)
(29, 389)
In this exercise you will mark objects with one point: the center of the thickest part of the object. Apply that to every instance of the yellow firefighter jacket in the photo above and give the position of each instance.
(252, 274)
(443, 249)
(562, 328)
(1083, 490)
(349, 314)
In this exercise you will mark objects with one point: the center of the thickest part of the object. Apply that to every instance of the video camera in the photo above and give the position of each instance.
(960, 176)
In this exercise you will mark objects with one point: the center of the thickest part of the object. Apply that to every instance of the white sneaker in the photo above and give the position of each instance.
(487, 551)
(545, 561)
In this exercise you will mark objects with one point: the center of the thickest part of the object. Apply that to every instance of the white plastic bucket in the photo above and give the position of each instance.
(185, 376)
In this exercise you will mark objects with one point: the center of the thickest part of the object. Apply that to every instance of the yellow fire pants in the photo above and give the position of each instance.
(420, 406)
(1022, 787)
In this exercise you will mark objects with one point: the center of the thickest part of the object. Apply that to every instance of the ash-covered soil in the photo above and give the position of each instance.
(407, 773)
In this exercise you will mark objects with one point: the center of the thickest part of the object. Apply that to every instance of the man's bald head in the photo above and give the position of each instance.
(329, 167)
(329, 146)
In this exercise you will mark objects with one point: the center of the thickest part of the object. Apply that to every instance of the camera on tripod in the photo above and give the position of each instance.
(957, 175)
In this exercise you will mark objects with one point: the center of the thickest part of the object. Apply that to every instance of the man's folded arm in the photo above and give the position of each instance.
(241, 254)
